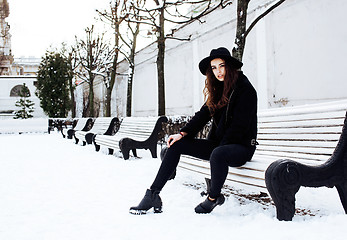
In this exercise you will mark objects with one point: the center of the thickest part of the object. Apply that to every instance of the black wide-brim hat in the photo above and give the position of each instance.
(222, 53)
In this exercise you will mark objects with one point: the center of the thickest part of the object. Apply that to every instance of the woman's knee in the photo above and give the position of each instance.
(218, 155)
(177, 148)
(233, 155)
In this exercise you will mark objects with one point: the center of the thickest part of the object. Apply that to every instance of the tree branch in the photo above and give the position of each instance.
(263, 15)
(179, 39)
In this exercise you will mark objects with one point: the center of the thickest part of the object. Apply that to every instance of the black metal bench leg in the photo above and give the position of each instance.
(342, 190)
(89, 138)
(97, 147)
(283, 182)
(110, 151)
(125, 153)
(283, 178)
(124, 146)
(134, 152)
(153, 151)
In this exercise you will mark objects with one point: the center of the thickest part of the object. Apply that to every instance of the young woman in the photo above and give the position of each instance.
(231, 103)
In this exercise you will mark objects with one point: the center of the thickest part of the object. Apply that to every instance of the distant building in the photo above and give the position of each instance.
(6, 57)
(14, 72)
(25, 66)
(10, 87)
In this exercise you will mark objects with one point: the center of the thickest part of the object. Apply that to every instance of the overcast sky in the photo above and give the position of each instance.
(37, 24)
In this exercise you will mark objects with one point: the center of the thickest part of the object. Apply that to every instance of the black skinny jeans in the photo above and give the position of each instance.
(220, 157)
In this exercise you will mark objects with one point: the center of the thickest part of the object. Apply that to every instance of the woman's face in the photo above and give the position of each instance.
(218, 68)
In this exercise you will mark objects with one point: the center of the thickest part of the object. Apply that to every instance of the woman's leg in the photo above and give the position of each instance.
(194, 147)
(233, 155)
(221, 158)
(200, 148)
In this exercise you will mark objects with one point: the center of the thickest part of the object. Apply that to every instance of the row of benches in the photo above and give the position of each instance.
(307, 134)
(127, 135)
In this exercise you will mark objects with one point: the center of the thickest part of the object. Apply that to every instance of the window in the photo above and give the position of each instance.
(16, 90)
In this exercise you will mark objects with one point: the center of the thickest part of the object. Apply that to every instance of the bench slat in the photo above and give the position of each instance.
(312, 144)
(301, 117)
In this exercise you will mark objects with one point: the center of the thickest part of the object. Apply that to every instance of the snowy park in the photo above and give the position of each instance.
(52, 188)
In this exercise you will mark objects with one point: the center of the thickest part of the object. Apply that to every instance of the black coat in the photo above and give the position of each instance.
(235, 123)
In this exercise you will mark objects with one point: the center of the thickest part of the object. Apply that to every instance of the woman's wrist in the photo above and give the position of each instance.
(182, 134)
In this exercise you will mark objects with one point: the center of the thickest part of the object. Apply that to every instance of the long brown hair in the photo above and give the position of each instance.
(217, 92)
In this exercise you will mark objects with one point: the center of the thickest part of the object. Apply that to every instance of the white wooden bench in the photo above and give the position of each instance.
(134, 133)
(307, 134)
(102, 125)
(83, 124)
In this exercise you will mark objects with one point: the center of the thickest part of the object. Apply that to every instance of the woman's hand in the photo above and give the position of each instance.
(174, 138)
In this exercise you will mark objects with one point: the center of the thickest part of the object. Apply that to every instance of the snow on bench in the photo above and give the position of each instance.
(134, 133)
(102, 125)
(307, 134)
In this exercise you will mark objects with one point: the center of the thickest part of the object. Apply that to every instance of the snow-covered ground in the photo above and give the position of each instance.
(51, 189)
(31, 125)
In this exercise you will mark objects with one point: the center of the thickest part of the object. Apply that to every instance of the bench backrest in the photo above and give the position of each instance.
(139, 128)
(101, 124)
(309, 133)
(81, 123)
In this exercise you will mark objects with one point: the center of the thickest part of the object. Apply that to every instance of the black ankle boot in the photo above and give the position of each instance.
(150, 200)
(207, 206)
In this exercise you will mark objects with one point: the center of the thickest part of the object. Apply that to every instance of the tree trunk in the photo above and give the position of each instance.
(113, 72)
(108, 102)
(240, 39)
(160, 65)
(130, 89)
(91, 97)
(73, 103)
(132, 67)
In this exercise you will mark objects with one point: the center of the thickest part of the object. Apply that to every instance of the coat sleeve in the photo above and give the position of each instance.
(199, 120)
(245, 109)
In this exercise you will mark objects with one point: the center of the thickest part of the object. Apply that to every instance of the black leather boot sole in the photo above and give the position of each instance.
(207, 206)
(149, 201)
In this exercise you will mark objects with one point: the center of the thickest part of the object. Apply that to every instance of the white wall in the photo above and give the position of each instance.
(307, 51)
(295, 55)
(8, 103)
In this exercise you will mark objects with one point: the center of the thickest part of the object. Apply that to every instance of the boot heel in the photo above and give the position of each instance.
(151, 199)
(157, 210)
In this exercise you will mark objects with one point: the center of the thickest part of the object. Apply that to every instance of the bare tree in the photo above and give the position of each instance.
(125, 39)
(70, 53)
(92, 53)
(165, 11)
(241, 30)
(115, 15)
(130, 41)
(173, 12)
